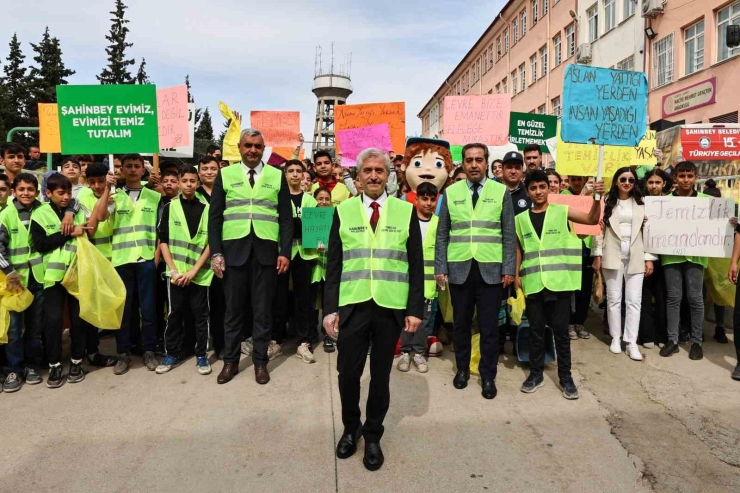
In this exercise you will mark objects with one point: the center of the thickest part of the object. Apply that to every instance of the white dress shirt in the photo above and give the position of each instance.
(257, 170)
(367, 201)
(480, 188)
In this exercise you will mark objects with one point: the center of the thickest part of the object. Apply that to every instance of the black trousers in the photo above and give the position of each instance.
(217, 305)
(653, 322)
(736, 324)
(190, 301)
(367, 323)
(260, 280)
(549, 309)
(476, 293)
(298, 305)
(583, 295)
(55, 297)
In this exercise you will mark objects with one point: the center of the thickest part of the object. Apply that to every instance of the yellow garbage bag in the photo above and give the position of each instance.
(97, 286)
(474, 353)
(11, 302)
(517, 306)
(230, 146)
(719, 288)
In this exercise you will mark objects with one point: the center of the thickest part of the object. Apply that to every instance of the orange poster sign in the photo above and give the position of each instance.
(581, 203)
(350, 116)
(280, 128)
(49, 138)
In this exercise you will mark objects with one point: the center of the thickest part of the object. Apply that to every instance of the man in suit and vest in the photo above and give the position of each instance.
(476, 252)
(250, 233)
(374, 289)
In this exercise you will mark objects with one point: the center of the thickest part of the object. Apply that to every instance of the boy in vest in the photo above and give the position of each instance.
(58, 251)
(183, 241)
(682, 271)
(549, 270)
(97, 204)
(4, 191)
(71, 169)
(324, 170)
(416, 342)
(134, 241)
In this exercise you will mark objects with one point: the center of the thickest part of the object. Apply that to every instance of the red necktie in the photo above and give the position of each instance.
(375, 215)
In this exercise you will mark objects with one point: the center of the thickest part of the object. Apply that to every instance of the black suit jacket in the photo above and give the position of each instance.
(236, 252)
(414, 246)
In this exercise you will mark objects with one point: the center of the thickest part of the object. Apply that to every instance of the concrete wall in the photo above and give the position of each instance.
(626, 39)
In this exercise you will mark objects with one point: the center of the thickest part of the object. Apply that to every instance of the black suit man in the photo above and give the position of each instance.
(250, 232)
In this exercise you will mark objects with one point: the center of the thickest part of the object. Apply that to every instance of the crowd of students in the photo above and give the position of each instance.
(153, 227)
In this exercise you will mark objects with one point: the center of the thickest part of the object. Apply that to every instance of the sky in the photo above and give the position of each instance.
(260, 55)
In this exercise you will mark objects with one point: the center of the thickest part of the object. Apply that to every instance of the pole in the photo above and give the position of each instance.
(600, 170)
(112, 169)
(155, 168)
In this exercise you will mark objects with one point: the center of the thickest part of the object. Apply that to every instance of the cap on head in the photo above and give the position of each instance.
(422, 140)
(513, 157)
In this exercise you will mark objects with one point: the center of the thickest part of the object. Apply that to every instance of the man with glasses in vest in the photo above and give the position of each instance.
(250, 233)
(374, 289)
(476, 253)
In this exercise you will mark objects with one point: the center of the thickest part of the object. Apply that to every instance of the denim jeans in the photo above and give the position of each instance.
(676, 277)
(24, 346)
(141, 277)
(14, 347)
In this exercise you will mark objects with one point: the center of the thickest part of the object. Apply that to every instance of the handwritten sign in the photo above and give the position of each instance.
(608, 106)
(49, 138)
(185, 150)
(480, 118)
(581, 203)
(531, 128)
(172, 116)
(643, 151)
(280, 128)
(286, 152)
(356, 140)
(349, 116)
(690, 226)
(108, 119)
(316, 224)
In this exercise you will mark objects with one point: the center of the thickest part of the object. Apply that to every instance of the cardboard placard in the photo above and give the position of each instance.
(480, 118)
(356, 140)
(349, 116)
(316, 225)
(581, 203)
(172, 116)
(279, 128)
(532, 128)
(49, 137)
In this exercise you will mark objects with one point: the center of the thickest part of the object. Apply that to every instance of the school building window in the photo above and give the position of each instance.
(558, 49)
(570, 40)
(523, 21)
(610, 15)
(523, 76)
(555, 102)
(498, 88)
(725, 17)
(628, 8)
(545, 7)
(541, 110)
(663, 61)
(533, 67)
(627, 64)
(514, 32)
(506, 40)
(498, 47)
(491, 60)
(543, 60)
(693, 47)
(514, 83)
(505, 85)
(535, 11)
(593, 22)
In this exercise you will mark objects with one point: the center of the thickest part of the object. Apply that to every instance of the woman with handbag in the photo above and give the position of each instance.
(619, 252)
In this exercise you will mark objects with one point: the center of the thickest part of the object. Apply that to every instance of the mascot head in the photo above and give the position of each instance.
(427, 160)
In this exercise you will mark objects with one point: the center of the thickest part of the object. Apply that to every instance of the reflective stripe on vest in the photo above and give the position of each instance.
(103, 237)
(375, 265)
(248, 207)
(186, 251)
(339, 193)
(553, 262)
(319, 269)
(54, 264)
(306, 253)
(430, 240)
(134, 234)
(475, 232)
(19, 251)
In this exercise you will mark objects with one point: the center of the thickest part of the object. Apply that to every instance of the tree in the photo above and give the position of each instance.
(191, 99)
(14, 90)
(205, 128)
(117, 71)
(48, 73)
(141, 77)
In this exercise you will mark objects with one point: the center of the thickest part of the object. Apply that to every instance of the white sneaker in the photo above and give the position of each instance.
(634, 352)
(404, 362)
(247, 348)
(304, 352)
(616, 346)
(274, 350)
(573, 333)
(420, 363)
(649, 345)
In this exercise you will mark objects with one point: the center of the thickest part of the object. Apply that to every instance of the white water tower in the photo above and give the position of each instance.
(332, 87)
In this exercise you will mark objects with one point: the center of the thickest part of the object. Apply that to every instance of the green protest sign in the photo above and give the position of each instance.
(316, 222)
(456, 152)
(108, 119)
(532, 128)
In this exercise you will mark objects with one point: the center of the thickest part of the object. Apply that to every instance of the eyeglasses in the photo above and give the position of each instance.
(626, 180)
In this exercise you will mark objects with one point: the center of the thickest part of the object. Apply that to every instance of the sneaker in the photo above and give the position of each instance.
(150, 361)
(648, 345)
(304, 352)
(634, 352)
(247, 348)
(720, 336)
(684, 338)
(76, 373)
(532, 383)
(582, 332)
(122, 365)
(13, 382)
(56, 377)
(434, 347)
(616, 345)
(404, 362)
(736, 372)
(274, 350)
(573, 333)
(420, 363)
(169, 363)
(670, 348)
(696, 352)
(32, 377)
(204, 368)
(329, 346)
(569, 389)
(102, 360)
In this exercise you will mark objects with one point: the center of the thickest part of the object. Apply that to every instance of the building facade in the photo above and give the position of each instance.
(614, 33)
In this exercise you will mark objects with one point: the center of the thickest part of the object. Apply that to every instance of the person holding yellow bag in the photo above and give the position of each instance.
(58, 251)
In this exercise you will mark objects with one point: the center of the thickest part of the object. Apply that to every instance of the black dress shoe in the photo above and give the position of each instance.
(461, 379)
(373, 459)
(489, 389)
(347, 445)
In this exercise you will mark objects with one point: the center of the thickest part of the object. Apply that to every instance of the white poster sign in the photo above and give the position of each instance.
(690, 226)
(184, 151)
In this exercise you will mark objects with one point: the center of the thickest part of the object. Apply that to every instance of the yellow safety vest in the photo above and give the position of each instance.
(135, 227)
(186, 251)
(430, 241)
(306, 253)
(475, 232)
(248, 208)
(339, 194)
